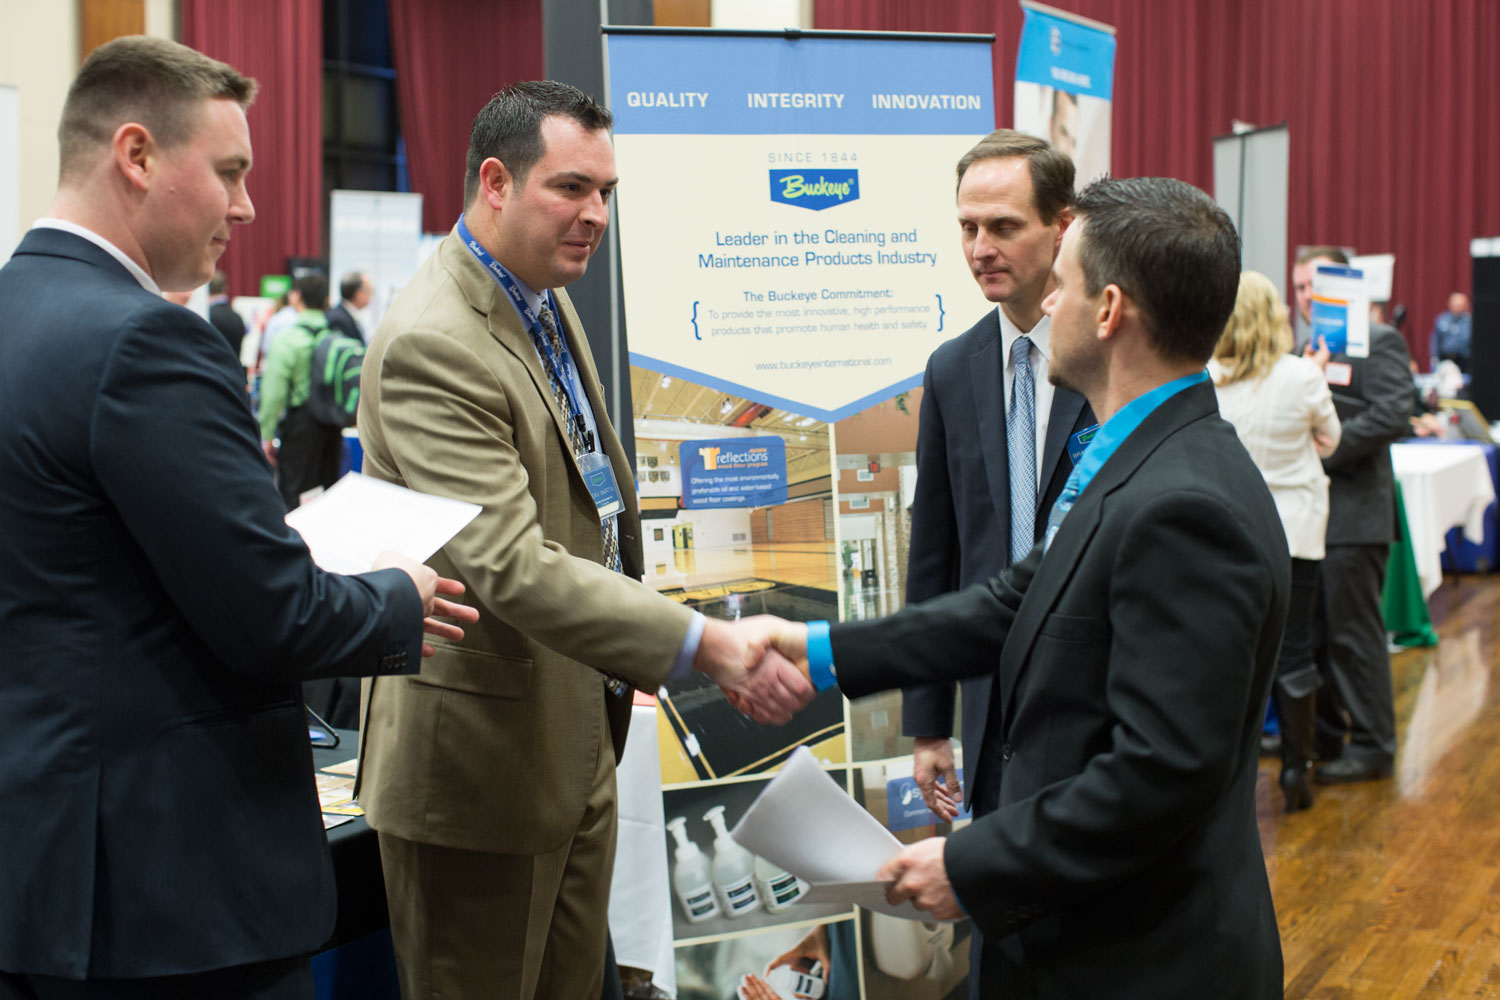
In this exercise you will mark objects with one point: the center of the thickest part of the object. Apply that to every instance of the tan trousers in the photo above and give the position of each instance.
(470, 925)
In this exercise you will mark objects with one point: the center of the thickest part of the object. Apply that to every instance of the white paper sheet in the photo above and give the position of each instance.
(357, 518)
(804, 823)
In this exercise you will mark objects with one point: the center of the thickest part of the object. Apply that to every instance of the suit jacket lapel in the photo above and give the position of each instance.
(487, 297)
(987, 377)
(50, 242)
(1079, 527)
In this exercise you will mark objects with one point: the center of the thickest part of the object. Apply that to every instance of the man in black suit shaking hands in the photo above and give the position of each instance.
(1114, 851)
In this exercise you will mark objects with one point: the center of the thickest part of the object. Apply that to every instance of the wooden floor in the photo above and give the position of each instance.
(1392, 889)
(807, 564)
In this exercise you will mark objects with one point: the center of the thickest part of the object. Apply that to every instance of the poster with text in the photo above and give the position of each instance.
(1065, 71)
(786, 219)
(790, 257)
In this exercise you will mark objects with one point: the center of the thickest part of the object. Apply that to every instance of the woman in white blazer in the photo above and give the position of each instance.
(1283, 412)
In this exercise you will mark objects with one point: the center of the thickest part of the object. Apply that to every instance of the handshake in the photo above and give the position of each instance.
(761, 665)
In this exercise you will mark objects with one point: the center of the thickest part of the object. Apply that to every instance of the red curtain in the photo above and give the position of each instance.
(1391, 107)
(450, 58)
(279, 43)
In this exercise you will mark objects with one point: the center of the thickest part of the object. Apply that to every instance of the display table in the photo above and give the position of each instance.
(358, 963)
(1443, 487)
(1464, 556)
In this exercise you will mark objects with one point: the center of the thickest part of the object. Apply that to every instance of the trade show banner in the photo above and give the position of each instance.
(1065, 72)
(790, 258)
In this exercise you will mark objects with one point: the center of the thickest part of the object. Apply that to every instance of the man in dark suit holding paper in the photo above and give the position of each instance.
(1374, 399)
(158, 816)
(981, 498)
(1115, 851)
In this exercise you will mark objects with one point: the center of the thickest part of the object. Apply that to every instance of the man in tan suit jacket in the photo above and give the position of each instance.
(490, 776)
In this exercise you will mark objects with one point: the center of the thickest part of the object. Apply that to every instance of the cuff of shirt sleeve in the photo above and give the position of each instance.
(689, 652)
(820, 656)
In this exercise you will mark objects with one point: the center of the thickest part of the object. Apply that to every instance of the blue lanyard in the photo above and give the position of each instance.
(1108, 439)
(559, 368)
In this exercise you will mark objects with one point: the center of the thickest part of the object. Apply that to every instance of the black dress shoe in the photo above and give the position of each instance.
(1328, 747)
(1347, 770)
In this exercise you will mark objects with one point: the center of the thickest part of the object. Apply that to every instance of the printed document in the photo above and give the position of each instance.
(806, 824)
(357, 518)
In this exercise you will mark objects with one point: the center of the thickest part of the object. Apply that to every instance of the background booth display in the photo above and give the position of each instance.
(778, 333)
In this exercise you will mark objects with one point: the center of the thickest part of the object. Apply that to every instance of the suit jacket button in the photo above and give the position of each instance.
(1005, 751)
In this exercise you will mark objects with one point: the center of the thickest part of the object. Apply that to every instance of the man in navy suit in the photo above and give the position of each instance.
(1114, 851)
(355, 292)
(981, 498)
(158, 814)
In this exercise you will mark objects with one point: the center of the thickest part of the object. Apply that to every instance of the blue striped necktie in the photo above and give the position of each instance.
(1020, 446)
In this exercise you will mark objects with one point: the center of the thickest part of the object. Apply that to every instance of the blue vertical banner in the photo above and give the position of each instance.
(1065, 70)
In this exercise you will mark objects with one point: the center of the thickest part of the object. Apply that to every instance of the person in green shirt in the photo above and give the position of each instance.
(306, 454)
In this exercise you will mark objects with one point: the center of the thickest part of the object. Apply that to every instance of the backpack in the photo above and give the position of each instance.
(333, 385)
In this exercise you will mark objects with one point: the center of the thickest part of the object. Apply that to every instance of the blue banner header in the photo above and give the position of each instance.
(747, 85)
(1056, 52)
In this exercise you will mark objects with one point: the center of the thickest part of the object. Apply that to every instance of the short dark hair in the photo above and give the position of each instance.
(1172, 249)
(1322, 253)
(1051, 170)
(313, 288)
(509, 127)
(218, 284)
(351, 284)
(153, 81)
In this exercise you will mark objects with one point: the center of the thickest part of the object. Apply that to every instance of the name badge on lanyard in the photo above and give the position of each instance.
(1079, 443)
(600, 477)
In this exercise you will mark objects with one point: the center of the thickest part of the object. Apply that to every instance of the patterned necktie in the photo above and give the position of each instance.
(575, 427)
(571, 420)
(1020, 446)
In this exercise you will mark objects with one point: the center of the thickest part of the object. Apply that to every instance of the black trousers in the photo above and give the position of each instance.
(309, 456)
(282, 979)
(1356, 697)
(1296, 667)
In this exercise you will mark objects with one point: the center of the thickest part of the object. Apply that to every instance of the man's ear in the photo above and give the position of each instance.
(496, 184)
(1064, 220)
(133, 149)
(1111, 313)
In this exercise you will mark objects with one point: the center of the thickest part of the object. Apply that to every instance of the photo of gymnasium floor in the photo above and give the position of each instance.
(806, 564)
(701, 736)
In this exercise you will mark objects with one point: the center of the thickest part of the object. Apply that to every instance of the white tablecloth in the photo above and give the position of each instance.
(640, 903)
(1444, 486)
